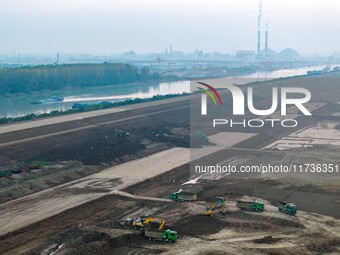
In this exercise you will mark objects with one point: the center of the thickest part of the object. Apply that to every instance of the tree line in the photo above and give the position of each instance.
(55, 77)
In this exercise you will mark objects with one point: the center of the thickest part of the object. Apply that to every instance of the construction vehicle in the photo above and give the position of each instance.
(214, 207)
(126, 222)
(140, 223)
(255, 206)
(121, 133)
(202, 135)
(183, 197)
(168, 236)
(288, 208)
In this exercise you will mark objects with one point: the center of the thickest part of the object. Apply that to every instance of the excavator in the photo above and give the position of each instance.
(141, 223)
(214, 207)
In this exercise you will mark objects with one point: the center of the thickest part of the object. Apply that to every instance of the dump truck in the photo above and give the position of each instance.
(214, 207)
(168, 236)
(288, 208)
(255, 206)
(183, 197)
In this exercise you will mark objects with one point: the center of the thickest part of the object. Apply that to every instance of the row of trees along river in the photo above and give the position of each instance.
(56, 77)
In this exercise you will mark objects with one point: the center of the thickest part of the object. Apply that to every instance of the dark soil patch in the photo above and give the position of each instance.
(324, 247)
(101, 243)
(199, 225)
(100, 144)
(215, 253)
(307, 188)
(67, 235)
(258, 221)
(267, 239)
(166, 183)
(99, 210)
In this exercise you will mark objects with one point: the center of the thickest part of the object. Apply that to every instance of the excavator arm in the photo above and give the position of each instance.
(217, 205)
(151, 220)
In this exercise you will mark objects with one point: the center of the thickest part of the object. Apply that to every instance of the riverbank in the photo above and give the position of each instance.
(96, 98)
(88, 108)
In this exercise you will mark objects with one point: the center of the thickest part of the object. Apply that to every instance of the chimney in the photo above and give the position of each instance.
(266, 42)
(258, 42)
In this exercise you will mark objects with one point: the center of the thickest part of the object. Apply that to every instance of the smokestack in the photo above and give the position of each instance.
(266, 42)
(259, 28)
(258, 42)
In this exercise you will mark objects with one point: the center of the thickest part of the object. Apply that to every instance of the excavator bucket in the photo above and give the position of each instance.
(217, 206)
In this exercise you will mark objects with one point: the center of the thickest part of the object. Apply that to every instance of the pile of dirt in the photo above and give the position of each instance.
(237, 219)
(327, 246)
(94, 248)
(125, 240)
(267, 239)
(198, 225)
(95, 236)
(93, 242)
(67, 235)
(76, 241)
(179, 136)
(215, 253)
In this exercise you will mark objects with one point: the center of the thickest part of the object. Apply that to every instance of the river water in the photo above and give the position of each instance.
(20, 105)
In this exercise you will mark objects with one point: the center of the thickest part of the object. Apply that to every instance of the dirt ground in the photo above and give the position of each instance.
(41, 205)
(93, 228)
(79, 155)
(96, 204)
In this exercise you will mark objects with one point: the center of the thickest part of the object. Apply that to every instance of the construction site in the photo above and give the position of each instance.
(118, 181)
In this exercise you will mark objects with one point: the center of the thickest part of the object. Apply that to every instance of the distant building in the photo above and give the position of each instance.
(269, 53)
(130, 53)
(284, 55)
(178, 54)
(246, 55)
(289, 54)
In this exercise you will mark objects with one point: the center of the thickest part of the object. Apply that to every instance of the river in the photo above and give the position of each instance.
(20, 105)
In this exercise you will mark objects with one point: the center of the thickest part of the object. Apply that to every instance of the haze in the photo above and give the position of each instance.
(109, 27)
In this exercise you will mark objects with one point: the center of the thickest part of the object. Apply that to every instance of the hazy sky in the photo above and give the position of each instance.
(112, 26)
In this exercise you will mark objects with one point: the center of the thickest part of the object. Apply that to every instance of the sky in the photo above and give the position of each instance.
(105, 27)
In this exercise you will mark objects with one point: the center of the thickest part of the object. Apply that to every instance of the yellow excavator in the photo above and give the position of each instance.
(141, 223)
(214, 207)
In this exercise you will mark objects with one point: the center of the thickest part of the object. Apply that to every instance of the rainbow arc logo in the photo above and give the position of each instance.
(211, 92)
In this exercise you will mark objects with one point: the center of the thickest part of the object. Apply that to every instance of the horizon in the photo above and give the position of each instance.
(112, 27)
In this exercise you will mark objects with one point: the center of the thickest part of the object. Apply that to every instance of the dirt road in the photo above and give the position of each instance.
(81, 116)
(41, 205)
